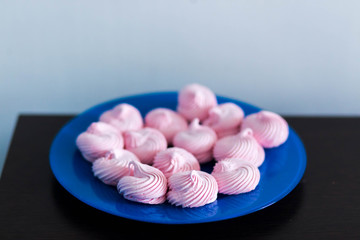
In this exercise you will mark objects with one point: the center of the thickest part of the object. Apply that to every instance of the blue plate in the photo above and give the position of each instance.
(281, 171)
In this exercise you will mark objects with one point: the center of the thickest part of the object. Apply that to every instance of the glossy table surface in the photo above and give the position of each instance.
(325, 204)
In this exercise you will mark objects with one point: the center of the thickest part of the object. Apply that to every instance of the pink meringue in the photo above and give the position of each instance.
(243, 146)
(195, 101)
(173, 160)
(145, 143)
(124, 117)
(269, 128)
(98, 139)
(148, 185)
(225, 119)
(198, 140)
(167, 121)
(115, 165)
(192, 189)
(235, 176)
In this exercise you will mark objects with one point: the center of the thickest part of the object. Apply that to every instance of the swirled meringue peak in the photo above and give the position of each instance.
(124, 117)
(225, 119)
(145, 143)
(235, 176)
(269, 128)
(242, 145)
(192, 189)
(113, 166)
(195, 101)
(98, 139)
(167, 121)
(198, 140)
(147, 185)
(173, 160)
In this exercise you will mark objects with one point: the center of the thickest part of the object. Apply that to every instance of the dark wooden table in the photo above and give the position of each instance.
(325, 204)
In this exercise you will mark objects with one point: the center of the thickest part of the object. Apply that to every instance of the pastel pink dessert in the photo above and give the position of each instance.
(124, 117)
(225, 119)
(195, 101)
(269, 128)
(115, 165)
(145, 143)
(192, 189)
(173, 160)
(242, 145)
(167, 121)
(147, 185)
(235, 176)
(198, 140)
(99, 139)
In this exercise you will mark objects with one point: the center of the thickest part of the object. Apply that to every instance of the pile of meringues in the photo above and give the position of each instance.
(158, 158)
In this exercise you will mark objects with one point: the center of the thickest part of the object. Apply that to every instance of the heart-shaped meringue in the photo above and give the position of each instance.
(124, 117)
(145, 143)
(225, 119)
(167, 121)
(173, 160)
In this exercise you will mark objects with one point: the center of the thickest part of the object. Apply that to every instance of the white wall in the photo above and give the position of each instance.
(292, 57)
